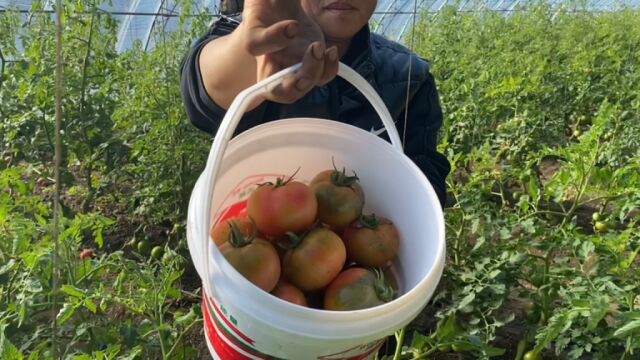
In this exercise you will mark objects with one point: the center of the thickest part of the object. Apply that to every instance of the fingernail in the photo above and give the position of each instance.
(332, 53)
(291, 30)
(317, 50)
(303, 84)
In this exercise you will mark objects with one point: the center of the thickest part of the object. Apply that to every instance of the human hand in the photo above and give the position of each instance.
(279, 34)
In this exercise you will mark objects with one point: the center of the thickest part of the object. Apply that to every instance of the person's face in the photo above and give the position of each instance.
(340, 20)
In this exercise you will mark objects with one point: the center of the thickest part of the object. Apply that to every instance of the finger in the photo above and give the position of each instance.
(331, 62)
(297, 85)
(262, 40)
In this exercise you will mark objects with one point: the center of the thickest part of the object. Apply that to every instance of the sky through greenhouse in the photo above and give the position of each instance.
(139, 19)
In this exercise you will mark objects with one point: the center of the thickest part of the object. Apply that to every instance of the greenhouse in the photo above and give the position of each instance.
(320, 179)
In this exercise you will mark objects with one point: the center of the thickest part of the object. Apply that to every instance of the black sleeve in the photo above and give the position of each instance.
(205, 114)
(424, 122)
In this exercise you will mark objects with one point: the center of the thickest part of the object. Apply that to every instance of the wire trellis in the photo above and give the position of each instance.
(392, 18)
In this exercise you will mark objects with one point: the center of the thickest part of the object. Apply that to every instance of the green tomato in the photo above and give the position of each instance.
(133, 243)
(157, 252)
(144, 247)
(532, 355)
(596, 216)
(601, 226)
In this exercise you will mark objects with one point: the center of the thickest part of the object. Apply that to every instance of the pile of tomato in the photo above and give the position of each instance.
(312, 245)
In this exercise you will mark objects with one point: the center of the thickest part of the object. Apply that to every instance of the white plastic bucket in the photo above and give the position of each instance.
(244, 322)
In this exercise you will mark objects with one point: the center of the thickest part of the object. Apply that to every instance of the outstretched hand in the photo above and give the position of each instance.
(280, 34)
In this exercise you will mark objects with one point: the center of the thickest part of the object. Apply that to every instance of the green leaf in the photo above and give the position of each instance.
(466, 300)
(90, 305)
(627, 328)
(533, 190)
(72, 291)
(185, 319)
(133, 354)
(99, 238)
(173, 293)
(7, 350)
(66, 312)
(9, 266)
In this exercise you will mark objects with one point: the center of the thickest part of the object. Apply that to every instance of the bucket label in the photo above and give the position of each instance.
(227, 341)
(230, 343)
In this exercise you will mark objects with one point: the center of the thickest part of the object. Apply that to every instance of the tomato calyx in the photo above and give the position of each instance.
(369, 221)
(382, 289)
(293, 240)
(280, 181)
(237, 239)
(340, 178)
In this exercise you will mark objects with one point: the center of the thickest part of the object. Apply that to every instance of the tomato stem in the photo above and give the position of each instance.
(370, 221)
(293, 241)
(340, 178)
(237, 238)
(383, 290)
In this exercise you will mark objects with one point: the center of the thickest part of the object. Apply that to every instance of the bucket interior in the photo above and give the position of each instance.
(394, 187)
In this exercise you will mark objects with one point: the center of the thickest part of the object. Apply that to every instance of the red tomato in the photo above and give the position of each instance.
(357, 288)
(255, 258)
(340, 197)
(315, 260)
(371, 241)
(221, 232)
(290, 293)
(286, 206)
(87, 254)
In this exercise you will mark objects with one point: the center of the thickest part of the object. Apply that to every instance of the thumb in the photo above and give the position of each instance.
(262, 40)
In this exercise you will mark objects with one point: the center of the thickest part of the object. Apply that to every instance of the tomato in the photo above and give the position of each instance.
(286, 206)
(596, 216)
(371, 241)
(532, 355)
(220, 233)
(144, 247)
(157, 252)
(255, 258)
(601, 226)
(357, 288)
(290, 293)
(314, 259)
(87, 254)
(340, 197)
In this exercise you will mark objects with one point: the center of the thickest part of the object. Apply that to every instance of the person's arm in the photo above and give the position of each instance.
(421, 144)
(204, 113)
(272, 36)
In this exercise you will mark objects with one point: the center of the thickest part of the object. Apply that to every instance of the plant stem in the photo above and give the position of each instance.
(175, 344)
(399, 341)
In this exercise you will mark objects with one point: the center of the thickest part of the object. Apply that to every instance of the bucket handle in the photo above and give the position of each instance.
(238, 108)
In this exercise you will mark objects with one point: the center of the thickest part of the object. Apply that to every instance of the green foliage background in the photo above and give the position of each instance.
(542, 115)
